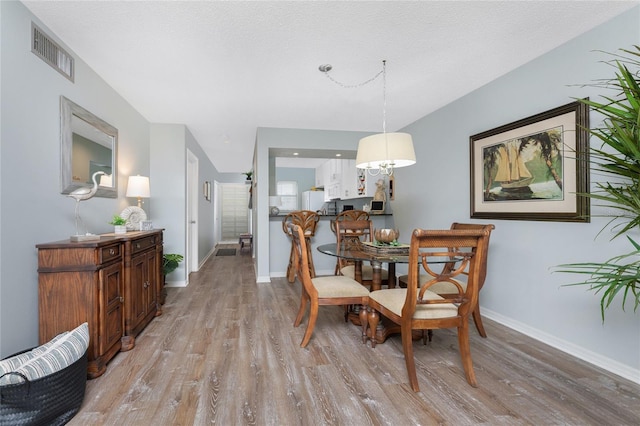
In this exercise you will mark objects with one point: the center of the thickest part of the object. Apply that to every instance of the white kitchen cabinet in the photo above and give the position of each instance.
(335, 170)
(321, 175)
(341, 179)
(349, 180)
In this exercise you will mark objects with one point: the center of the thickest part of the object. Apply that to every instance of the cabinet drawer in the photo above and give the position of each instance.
(109, 253)
(142, 244)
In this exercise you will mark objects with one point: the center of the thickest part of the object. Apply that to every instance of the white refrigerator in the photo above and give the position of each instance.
(312, 200)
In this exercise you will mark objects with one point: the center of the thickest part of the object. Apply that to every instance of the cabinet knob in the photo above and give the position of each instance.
(121, 299)
(137, 245)
(112, 252)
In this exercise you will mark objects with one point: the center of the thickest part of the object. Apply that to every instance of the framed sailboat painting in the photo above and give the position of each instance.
(534, 168)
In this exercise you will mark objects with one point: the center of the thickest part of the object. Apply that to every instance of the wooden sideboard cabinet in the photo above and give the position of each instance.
(113, 284)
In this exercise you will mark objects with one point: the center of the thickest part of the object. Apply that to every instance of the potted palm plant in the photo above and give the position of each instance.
(170, 262)
(617, 158)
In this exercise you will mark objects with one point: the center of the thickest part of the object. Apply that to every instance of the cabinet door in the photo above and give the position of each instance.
(335, 170)
(110, 318)
(136, 302)
(349, 179)
(321, 175)
(150, 297)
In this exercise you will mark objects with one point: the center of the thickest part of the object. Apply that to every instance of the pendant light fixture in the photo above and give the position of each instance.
(383, 152)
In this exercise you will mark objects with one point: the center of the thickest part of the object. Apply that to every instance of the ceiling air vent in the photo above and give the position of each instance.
(50, 52)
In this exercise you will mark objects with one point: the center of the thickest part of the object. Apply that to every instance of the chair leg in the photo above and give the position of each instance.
(407, 347)
(372, 323)
(313, 316)
(312, 268)
(465, 354)
(477, 319)
(304, 298)
(291, 268)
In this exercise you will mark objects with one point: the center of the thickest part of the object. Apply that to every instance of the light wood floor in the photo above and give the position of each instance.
(225, 352)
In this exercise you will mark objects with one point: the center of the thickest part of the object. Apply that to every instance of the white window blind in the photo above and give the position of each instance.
(288, 192)
(235, 210)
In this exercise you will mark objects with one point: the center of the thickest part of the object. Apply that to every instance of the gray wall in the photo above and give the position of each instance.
(521, 291)
(32, 209)
(169, 143)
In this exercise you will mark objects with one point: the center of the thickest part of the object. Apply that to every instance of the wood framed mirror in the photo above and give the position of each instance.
(87, 145)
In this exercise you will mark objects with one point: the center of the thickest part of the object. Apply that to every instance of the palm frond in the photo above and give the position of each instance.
(618, 159)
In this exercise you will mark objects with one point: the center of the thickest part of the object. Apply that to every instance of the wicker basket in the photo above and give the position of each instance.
(50, 400)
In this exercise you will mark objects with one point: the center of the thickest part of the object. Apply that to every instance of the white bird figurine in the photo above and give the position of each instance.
(82, 194)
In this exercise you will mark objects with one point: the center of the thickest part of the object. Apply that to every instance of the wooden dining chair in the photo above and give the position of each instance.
(350, 233)
(328, 290)
(347, 215)
(308, 221)
(445, 288)
(418, 308)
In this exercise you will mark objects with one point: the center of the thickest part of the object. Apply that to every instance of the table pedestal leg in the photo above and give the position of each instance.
(376, 279)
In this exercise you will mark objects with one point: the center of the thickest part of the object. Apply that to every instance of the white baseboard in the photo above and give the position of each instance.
(598, 360)
(319, 273)
(182, 283)
(213, 250)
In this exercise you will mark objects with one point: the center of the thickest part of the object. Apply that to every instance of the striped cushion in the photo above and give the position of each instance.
(62, 351)
(393, 299)
(338, 286)
(14, 362)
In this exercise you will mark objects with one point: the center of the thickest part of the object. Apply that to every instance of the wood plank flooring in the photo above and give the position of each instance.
(225, 352)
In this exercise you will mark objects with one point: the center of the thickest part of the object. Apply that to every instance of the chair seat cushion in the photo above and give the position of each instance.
(367, 272)
(393, 299)
(438, 288)
(338, 286)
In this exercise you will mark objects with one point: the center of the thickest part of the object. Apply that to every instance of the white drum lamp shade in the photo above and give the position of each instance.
(138, 187)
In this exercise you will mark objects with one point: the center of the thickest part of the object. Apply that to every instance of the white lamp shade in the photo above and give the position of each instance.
(106, 180)
(138, 186)
(385, 148)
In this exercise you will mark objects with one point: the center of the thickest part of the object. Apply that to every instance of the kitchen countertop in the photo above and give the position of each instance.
(325, 216)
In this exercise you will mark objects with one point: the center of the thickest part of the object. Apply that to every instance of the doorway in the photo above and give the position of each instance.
(234, 211)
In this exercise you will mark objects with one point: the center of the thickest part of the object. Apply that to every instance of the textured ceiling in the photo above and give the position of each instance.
(226, 68)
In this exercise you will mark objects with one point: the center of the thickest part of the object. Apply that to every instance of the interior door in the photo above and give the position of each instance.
(193, 188)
